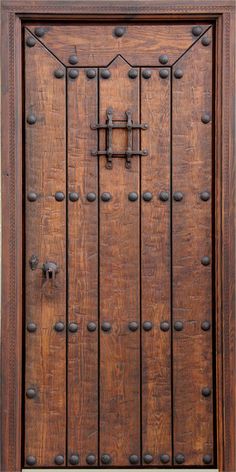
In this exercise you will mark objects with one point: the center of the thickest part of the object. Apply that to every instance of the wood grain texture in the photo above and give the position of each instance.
(192, 239)
(119, 279)
(97, 44)
(155, 267)
(45, 229)
(82, 269)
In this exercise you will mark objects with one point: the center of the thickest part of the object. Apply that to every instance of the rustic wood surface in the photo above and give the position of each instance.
(192, 240)
(45, 230)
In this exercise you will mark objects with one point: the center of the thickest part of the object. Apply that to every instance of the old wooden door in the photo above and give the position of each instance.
(118, 245)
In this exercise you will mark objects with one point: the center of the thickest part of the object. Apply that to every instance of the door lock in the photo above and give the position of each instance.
(49, 268)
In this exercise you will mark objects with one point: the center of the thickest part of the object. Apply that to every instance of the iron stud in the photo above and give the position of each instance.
(205, 260)
(146, 74)
(59, 73)
(31, 119)
(197, 30)
(59, 460)
(91, 197)
(105, 73)
(32, 196)
(30, 393)
(106, 326)
(205, 325)
(133, 196)
(163, 59)
(74, 459)
(106, 196)
(91, 459)
(164, 73)
(59, 326)
(178, 196)
(133, 459)
(205, 118)
(165, 326)
(179, 458)
(73, 59)
(205, 196)
(106, 459)
(73, 73)
(133, 326)
(164, 196)
(30, 41)
(178, 325)
(178, 73)
(207, 459)
(91, 73)
(119, 31)
(91, 326)
(31, 327)
(133, 73)
(39, 31)
(73, 196)
(59, 196)
(206, 41)
(31, 460)
(147, 325)
(73, 327)
(164, 458)
(147, 196)
(206, 391)
(148, 458)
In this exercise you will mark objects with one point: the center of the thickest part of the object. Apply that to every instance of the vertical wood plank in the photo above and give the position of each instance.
(119, 278)
(192, 240)
(155, 269)
(45, 229)
(82, 270)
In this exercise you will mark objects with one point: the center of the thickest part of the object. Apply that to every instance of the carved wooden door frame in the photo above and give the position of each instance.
(221, 14)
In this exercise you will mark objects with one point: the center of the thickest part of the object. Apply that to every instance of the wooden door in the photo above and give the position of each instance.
(119, 321)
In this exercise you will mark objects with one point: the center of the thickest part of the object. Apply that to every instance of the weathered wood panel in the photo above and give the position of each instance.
(192, 240)
(45, 230)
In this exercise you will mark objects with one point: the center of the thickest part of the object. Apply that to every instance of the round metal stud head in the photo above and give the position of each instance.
(207, 459)
(205, 196)
(147, 325)
(163, 59)
(30, 392)
(178, 196)
(73, 59)
(133, 73)
(91, 459)
(106, 196)
(178, 325)
(31, 460)
(133, 459)
(59, 460)
(133, 196)
(165, 326)
(197, 30)
(147, 196)
(30, 41)
(39, 31)
(165, 458)
(119, 31)
(59, 73)
(31, 327)
(59, 196)
(73, 196)
(205, 118)
(146, 74)
(73, 327)
(205, 260)
(31, 119)
(91, 326)
(106, 459)
(164, 196)
(179, 458)
(106, 326)
(91, 73)
(206, 391)
(73, 73)
(205, 325)
(133, 326)
(59, 326)
(148, 458)
(178, 73)
(105, 74)
(164, 73)
(74, 459)
(206, 41)
(91, 197)
(32, 196)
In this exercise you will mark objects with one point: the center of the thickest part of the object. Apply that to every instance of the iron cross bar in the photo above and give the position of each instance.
(109, 126)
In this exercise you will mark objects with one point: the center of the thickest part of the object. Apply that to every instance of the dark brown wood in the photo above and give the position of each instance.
(82, 269)
(155, 268)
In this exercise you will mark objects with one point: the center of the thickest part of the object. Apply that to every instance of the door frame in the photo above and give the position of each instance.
(14, 13)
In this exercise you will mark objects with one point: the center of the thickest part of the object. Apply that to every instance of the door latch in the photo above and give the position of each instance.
(49, 268)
